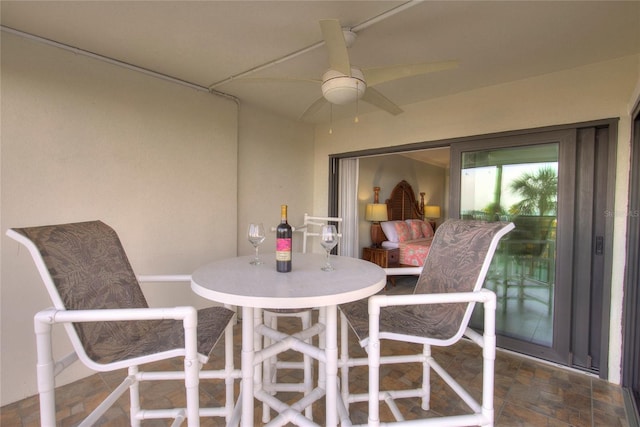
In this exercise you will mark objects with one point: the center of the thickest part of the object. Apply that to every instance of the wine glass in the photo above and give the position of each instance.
(256, 236)
(328, 240)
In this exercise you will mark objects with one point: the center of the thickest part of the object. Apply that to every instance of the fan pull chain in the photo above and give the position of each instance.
(330, 118)
(356, 119)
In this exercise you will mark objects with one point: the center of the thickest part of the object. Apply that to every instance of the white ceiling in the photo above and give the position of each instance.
(205, 42)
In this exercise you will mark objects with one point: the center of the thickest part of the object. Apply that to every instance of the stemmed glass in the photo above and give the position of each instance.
(328, 240)
(256, 236)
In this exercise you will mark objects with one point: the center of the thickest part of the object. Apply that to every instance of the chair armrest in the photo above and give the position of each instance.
(52, 315)
(43, 321)
(164, 278)
(403, 271)
(378, 301)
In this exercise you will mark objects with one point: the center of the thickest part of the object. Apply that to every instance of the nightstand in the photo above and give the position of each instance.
(384, 257)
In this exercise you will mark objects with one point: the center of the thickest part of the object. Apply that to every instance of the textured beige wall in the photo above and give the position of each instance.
(85, 140)
(597, 91)
(177, 172)
(275, 167)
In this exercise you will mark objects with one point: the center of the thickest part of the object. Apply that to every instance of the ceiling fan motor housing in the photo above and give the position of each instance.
(339, 88)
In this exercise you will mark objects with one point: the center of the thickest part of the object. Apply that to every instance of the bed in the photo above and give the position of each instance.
(406, 229)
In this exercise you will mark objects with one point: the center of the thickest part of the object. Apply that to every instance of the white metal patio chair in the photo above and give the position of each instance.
(436, 313)
(97, 298)
(309, 229)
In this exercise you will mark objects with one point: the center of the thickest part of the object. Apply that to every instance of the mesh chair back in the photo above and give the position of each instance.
(90, 270)
(458, 261)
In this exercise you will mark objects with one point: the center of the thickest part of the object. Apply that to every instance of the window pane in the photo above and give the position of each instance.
(520, 185)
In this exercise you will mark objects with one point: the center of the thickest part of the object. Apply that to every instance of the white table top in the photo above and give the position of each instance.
(234, 281)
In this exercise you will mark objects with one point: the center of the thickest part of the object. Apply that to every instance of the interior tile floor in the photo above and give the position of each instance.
(527, 392)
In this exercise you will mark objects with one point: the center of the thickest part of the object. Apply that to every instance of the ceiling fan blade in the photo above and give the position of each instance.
(375, 76)
(313, 108)
(334, 40)
(374, 97)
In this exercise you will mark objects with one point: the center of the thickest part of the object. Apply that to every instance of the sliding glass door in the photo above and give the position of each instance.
(520, 185)
(550, 272)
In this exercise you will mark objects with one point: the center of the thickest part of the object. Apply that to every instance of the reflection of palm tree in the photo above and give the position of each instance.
(539, 191)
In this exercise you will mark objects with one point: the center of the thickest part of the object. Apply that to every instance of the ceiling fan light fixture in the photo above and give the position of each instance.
(340, 89)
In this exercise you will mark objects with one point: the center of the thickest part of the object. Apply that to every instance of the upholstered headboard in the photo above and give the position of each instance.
(402, 203)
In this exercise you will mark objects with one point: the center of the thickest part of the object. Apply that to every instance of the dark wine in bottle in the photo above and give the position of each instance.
(283, 242)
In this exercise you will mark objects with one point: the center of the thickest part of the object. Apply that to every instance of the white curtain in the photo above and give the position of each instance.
(348, 206)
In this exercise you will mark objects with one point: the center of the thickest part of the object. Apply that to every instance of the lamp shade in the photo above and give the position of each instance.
(432, 211)
(376, 212)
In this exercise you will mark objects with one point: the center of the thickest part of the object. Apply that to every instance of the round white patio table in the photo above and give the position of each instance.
(236, 282)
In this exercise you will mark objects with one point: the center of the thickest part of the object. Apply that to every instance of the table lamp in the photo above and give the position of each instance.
(375, 213)
(431, 212)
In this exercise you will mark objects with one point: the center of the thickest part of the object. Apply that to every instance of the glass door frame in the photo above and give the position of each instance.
(560, 349)
(631, 339)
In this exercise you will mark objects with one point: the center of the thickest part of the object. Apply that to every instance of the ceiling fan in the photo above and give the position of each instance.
(344, 83)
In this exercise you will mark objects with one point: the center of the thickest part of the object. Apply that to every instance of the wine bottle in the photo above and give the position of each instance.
(283, 242)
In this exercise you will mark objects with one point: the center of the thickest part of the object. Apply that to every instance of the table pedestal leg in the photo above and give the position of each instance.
(331, 366)
(322, 344)
(247, 366)
(257, 346)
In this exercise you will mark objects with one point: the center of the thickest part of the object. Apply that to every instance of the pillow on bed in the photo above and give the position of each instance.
(427, 230)
(402, 230)
(415, 226)
(390, 231)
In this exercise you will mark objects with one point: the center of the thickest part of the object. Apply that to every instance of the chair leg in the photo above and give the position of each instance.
(426, 377)
(45, 371)
(373, 350)
(344, 360)
(134, 397)
(229, 368)
(488, 359)
(192, 369)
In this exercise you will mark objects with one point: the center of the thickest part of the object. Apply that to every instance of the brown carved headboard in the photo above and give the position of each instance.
(402, 203)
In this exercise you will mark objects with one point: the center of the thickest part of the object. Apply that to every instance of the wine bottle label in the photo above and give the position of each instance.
(283, 249)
